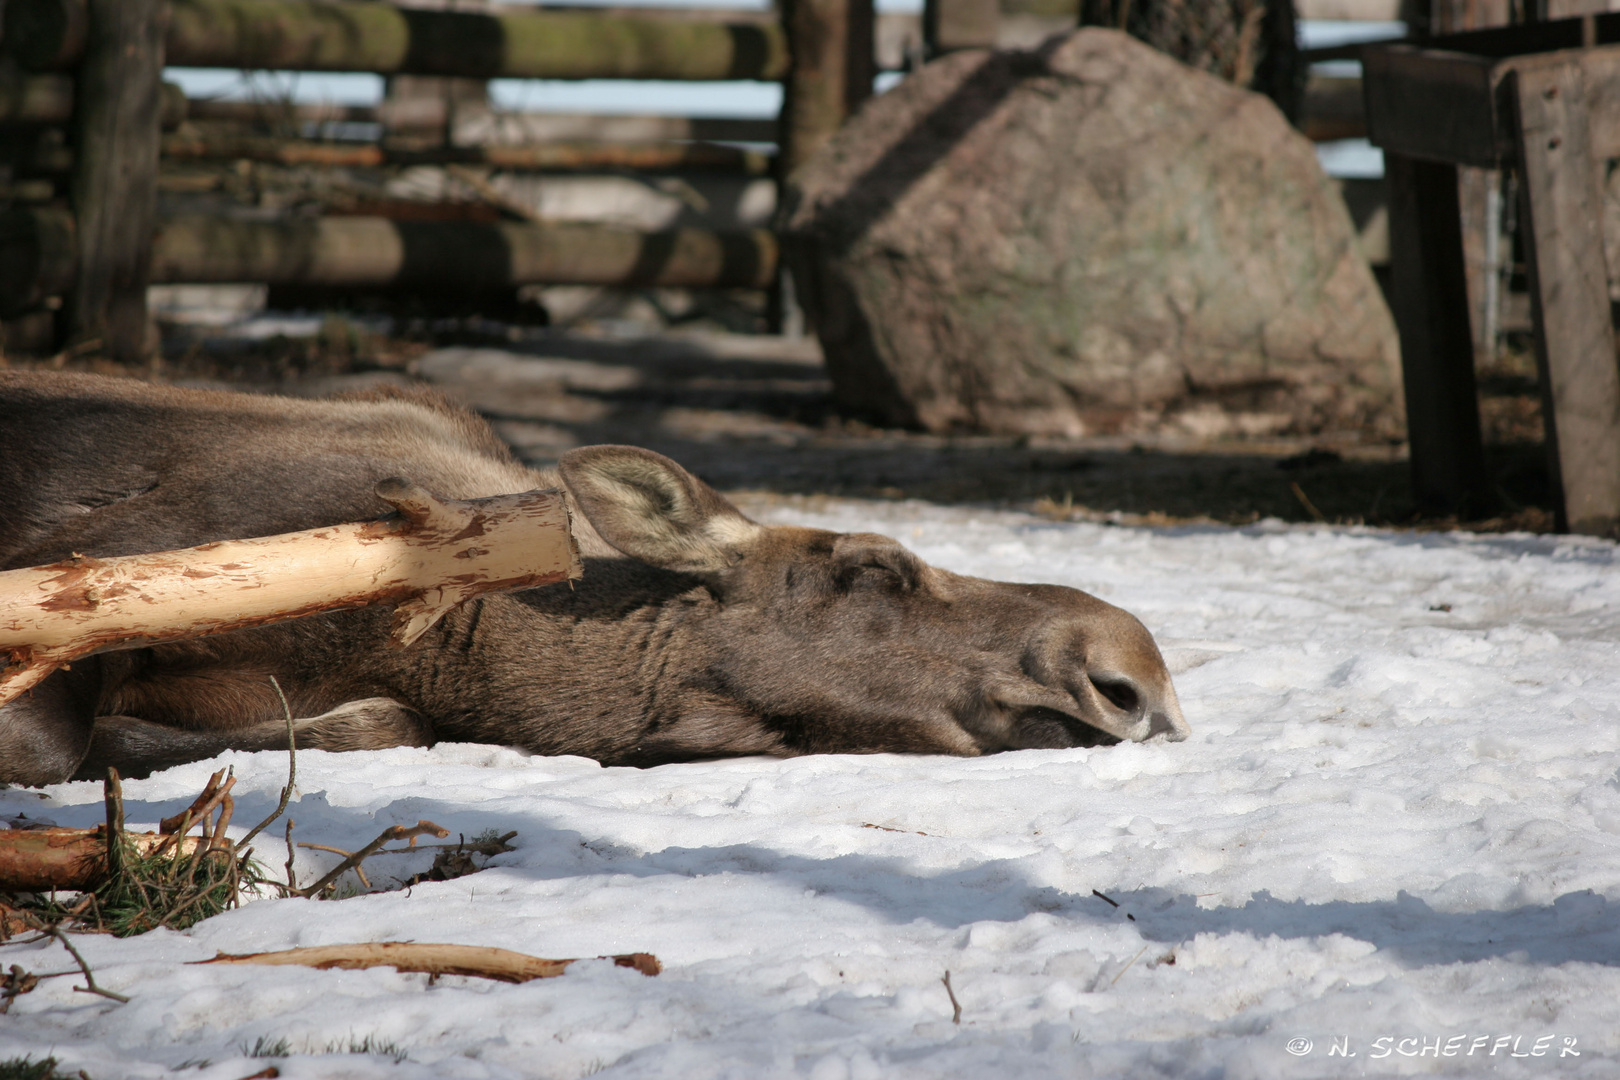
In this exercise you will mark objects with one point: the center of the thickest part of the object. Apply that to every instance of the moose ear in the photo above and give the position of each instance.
(655, 511)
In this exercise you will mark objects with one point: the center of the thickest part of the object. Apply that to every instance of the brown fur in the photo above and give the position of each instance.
(695, 632)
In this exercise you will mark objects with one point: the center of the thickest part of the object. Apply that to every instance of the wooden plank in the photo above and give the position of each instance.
(1525, 39)
(119, 124)
(1575, 345)
(1429, 294)
(1600, 70)
(1436, 106)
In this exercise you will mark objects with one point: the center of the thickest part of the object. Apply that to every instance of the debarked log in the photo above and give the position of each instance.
(38, 860)
(548, 157)
(356, 35)
(432, 556)
(482, 961)
(36, 256)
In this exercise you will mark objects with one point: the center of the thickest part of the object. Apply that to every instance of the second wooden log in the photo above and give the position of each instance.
(35, 259)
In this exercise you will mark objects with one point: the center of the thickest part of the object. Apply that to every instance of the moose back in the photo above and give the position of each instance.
(695, 633)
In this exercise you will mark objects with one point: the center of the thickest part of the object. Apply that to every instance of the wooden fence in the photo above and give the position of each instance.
(98, 65)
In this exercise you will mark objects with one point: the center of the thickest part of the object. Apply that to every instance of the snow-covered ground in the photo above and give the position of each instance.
(1391, 847)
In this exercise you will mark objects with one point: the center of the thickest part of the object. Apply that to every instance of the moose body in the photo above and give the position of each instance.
(695, 632)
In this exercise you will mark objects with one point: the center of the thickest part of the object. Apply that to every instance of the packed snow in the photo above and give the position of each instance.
(1390, 847)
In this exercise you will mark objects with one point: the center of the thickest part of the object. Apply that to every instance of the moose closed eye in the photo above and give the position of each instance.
(1122, 695)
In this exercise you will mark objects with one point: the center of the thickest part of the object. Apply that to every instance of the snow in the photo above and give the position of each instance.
(1394, 833)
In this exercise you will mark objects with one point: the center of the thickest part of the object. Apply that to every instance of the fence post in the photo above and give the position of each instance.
(833, 65)
(118, 120)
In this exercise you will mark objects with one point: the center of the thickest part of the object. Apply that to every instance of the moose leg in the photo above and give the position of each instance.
(140, 747)
(44, 733)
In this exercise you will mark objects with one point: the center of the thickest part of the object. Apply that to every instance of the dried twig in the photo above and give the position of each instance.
(481, 961)
(360, 871)
(496, 846)
(16, 983)
(1127, 966)
(90, 980)
(170, 824)
(292, 774)
(956, 1006)
(1305, 500)
(175, 828)
(292, 881)
(393, 832)
(112, 792)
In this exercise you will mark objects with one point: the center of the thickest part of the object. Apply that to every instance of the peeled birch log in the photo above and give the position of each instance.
(425, 561)
(485, 962)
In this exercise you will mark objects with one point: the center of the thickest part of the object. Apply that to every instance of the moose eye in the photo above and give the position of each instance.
(1122, 695)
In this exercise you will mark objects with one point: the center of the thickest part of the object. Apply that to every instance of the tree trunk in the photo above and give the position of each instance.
(1248, 42)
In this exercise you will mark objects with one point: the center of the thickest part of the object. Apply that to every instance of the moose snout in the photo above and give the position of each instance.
(1135, 712)
(1109, 666)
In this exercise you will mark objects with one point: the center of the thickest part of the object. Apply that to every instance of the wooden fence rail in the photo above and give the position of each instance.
(109, 248)
(37, 254)
(363, 35)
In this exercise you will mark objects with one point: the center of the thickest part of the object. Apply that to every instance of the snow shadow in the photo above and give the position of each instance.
(1578, 926)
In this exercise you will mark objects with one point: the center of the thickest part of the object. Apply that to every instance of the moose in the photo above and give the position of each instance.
(695, 632)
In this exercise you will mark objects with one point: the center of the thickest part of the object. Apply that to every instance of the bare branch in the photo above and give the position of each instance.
(286, 792)
(90, 980)
(392, 833)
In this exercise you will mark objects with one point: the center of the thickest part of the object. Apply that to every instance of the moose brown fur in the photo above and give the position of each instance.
(695, 633)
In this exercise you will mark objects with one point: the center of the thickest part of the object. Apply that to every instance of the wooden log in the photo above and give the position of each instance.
(1333, 109)
(548, 157)
(48, 99)
(359, 251)
(480, 961)
(952, 25)
(520, 127)
(38, 860)
(378, 252)
(118, 124)
(37, 256)
(833, 68)
(355, 35)
(1429, 294)
(426, 561)
(1562, 200)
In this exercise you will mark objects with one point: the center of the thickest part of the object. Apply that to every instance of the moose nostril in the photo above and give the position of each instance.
(1122, 695)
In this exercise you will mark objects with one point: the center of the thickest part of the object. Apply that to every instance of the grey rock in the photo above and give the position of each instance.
(1088, 237)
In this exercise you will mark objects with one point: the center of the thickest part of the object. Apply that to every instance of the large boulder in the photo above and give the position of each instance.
(1090, 237)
